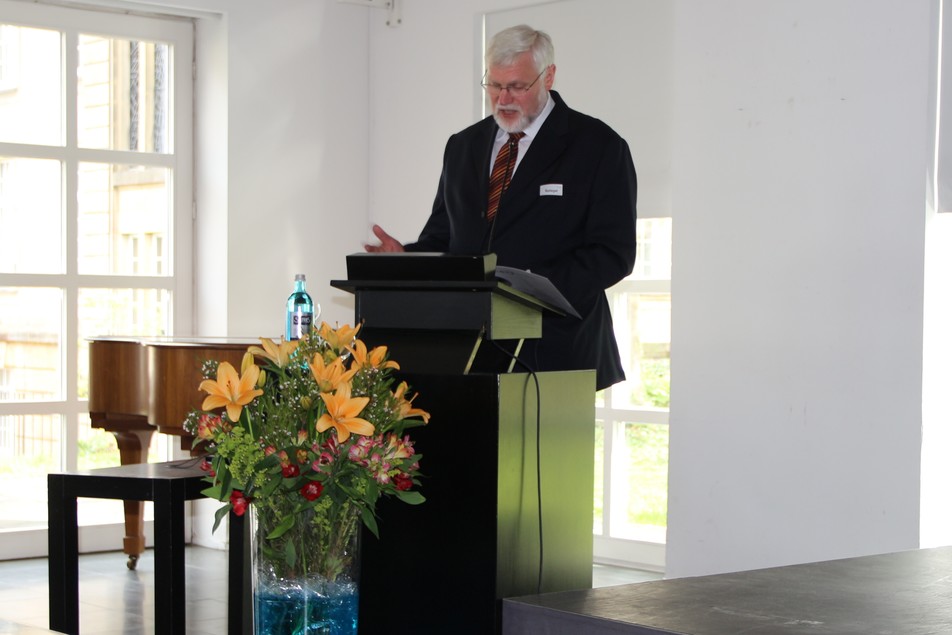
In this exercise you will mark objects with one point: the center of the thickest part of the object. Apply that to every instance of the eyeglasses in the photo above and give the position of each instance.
(515, 90)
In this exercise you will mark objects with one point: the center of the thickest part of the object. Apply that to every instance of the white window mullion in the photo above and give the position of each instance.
(183, 224)
(70, 335)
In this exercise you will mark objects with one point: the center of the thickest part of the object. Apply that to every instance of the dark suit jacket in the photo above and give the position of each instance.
(582, 240)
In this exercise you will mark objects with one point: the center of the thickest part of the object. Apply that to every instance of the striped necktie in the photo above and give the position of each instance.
(502, 172)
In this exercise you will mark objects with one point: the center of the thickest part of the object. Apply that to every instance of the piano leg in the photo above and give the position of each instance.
(133, 448)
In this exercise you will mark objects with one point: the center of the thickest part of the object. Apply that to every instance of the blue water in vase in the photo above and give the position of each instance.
(318, 609)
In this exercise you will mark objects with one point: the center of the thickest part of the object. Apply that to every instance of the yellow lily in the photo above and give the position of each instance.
(230, 391)
(279, 353)
(342, 411)
(329, 376)
(339, 338)
(374, 359)
(405, 408)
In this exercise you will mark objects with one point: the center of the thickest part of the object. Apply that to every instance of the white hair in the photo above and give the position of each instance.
(507, 45)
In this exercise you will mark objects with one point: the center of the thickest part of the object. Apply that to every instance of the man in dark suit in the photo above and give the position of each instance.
(560, 203)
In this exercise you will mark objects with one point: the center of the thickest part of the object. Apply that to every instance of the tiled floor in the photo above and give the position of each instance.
(117, 601)
(113, 599)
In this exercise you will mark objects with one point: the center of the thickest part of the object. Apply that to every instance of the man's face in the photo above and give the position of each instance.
(514, 110)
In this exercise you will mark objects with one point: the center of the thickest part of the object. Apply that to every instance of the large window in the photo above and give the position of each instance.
(631, 433)
(95, 228)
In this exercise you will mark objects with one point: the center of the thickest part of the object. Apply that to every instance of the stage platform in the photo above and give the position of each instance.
(905, 593)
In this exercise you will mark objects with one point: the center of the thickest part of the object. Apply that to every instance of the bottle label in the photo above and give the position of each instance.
(300, 324)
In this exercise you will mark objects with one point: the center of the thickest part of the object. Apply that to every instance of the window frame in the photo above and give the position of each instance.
(607, 549)
(178, 280)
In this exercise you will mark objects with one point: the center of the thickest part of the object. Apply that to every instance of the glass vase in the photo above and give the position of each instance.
(306, 580)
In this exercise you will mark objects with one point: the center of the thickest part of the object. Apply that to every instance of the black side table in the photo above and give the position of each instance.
(168, 485)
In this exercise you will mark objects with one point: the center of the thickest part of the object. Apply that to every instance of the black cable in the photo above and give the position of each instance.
(538, 449)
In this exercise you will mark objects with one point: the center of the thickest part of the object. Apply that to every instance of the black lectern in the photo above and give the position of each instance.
(508, 456)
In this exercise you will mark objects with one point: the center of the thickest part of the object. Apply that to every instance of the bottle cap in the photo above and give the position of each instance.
(299, 276)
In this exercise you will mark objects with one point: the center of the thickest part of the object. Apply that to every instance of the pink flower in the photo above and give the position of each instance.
(290, 470)
(331, 445)
(399, 448)
(322, 461)
(380, 469)
(357, 453)
(211, 426)
(312, 490)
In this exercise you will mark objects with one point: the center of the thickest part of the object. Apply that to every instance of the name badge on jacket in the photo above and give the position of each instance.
(550, 189)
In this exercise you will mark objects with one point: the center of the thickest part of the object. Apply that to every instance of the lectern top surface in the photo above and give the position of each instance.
(420, 266)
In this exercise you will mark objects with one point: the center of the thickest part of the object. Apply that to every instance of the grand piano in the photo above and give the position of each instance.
(138, 386)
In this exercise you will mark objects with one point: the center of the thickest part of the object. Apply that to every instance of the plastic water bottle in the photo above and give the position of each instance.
(301, 313)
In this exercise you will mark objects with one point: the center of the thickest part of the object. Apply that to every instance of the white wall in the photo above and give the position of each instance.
(801, 154)
(283, 157)
(799, 160)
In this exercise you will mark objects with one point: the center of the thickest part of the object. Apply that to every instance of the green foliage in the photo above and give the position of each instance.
(656, 379)
(648, 457)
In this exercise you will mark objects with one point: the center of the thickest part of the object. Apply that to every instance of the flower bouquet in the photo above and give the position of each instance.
(313, 433)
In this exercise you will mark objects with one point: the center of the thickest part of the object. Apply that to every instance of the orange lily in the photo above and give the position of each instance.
(329, 376)
(230, 391)
(342, 411)
(405, 407)
(339, 338)
(277, 352)
(374, 359)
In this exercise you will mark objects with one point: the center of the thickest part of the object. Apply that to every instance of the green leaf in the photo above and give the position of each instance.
(269, 487)
(220, 514)
(371, 523)
(290, 554)
(411, 498)
(373, 491)
(215, 492)
(224, 475)
(282, 527)
(267, 462)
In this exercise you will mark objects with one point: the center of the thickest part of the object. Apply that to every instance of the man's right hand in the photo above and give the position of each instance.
(388, 244)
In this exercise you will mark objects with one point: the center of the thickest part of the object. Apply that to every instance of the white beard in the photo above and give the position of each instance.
(523, 121)
(520, 124)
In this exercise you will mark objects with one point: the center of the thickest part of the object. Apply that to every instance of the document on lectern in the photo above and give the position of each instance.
(537, 286)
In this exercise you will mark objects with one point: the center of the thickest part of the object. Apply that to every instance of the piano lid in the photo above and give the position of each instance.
(155, 378)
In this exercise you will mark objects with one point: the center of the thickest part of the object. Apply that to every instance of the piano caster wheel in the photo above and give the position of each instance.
(131, 564)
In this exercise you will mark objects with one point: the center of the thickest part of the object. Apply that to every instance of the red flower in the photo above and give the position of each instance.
(312, 490)
(238, 502)
(403, 482)
(290, 470)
